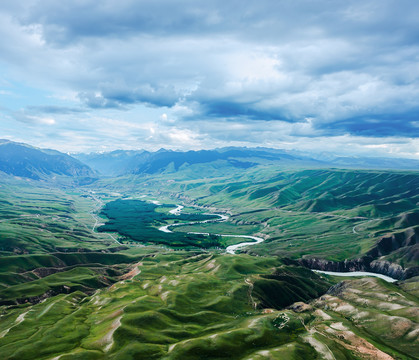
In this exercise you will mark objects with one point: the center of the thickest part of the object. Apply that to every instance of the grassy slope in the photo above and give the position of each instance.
(186, 306)
(373, 310)
(335, 214)
(49, 232)
(36, 217)
(182, 305)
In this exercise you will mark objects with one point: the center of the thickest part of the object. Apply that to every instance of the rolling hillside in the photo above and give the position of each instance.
(189, 306)
(129, 291)
(326, 213)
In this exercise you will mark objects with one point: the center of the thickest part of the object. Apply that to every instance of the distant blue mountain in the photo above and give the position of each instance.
(144, 162)
(26, 161)
(122, 162)
(113, 163)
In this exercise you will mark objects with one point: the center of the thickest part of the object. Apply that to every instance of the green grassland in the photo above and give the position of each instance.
(37, 217)
(130, 291)
(333, 214)
(189, 306)
(182, 306)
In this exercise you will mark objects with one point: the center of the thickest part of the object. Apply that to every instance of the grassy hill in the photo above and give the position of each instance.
(329, 213)
(189, 306)
(68, 291)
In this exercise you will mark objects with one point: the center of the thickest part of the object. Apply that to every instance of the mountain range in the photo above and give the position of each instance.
(23, 160)
(122, 162)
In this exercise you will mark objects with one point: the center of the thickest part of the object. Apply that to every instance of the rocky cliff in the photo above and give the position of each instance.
(366, 263)
(404, 241)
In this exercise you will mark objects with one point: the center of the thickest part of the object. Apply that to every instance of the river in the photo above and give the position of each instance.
(230, 249)
(357, 273)
(257, 240)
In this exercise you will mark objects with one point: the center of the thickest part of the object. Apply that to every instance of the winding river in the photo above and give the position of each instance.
(257, 240)
(230, 249)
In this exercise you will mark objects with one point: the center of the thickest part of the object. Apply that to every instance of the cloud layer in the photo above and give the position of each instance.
(282, 73)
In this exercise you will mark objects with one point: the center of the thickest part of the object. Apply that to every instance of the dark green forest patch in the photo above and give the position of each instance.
(139, 221)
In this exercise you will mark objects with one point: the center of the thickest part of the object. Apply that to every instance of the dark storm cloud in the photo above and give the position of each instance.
(114, 97)
(377, 125)
(265, 20)
(244, 111)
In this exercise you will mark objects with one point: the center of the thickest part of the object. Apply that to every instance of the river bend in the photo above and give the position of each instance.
(230, 249)
(257, 240)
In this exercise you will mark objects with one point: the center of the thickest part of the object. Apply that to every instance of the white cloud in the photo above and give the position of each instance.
(45, 121)
(203, 73)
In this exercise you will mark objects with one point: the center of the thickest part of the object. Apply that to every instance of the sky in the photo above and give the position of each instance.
(318, 76)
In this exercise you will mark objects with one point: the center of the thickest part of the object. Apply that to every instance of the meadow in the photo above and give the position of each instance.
(129, 291)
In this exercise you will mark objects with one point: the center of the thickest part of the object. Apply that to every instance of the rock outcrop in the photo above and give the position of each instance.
(366, 263)
(406, 240)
